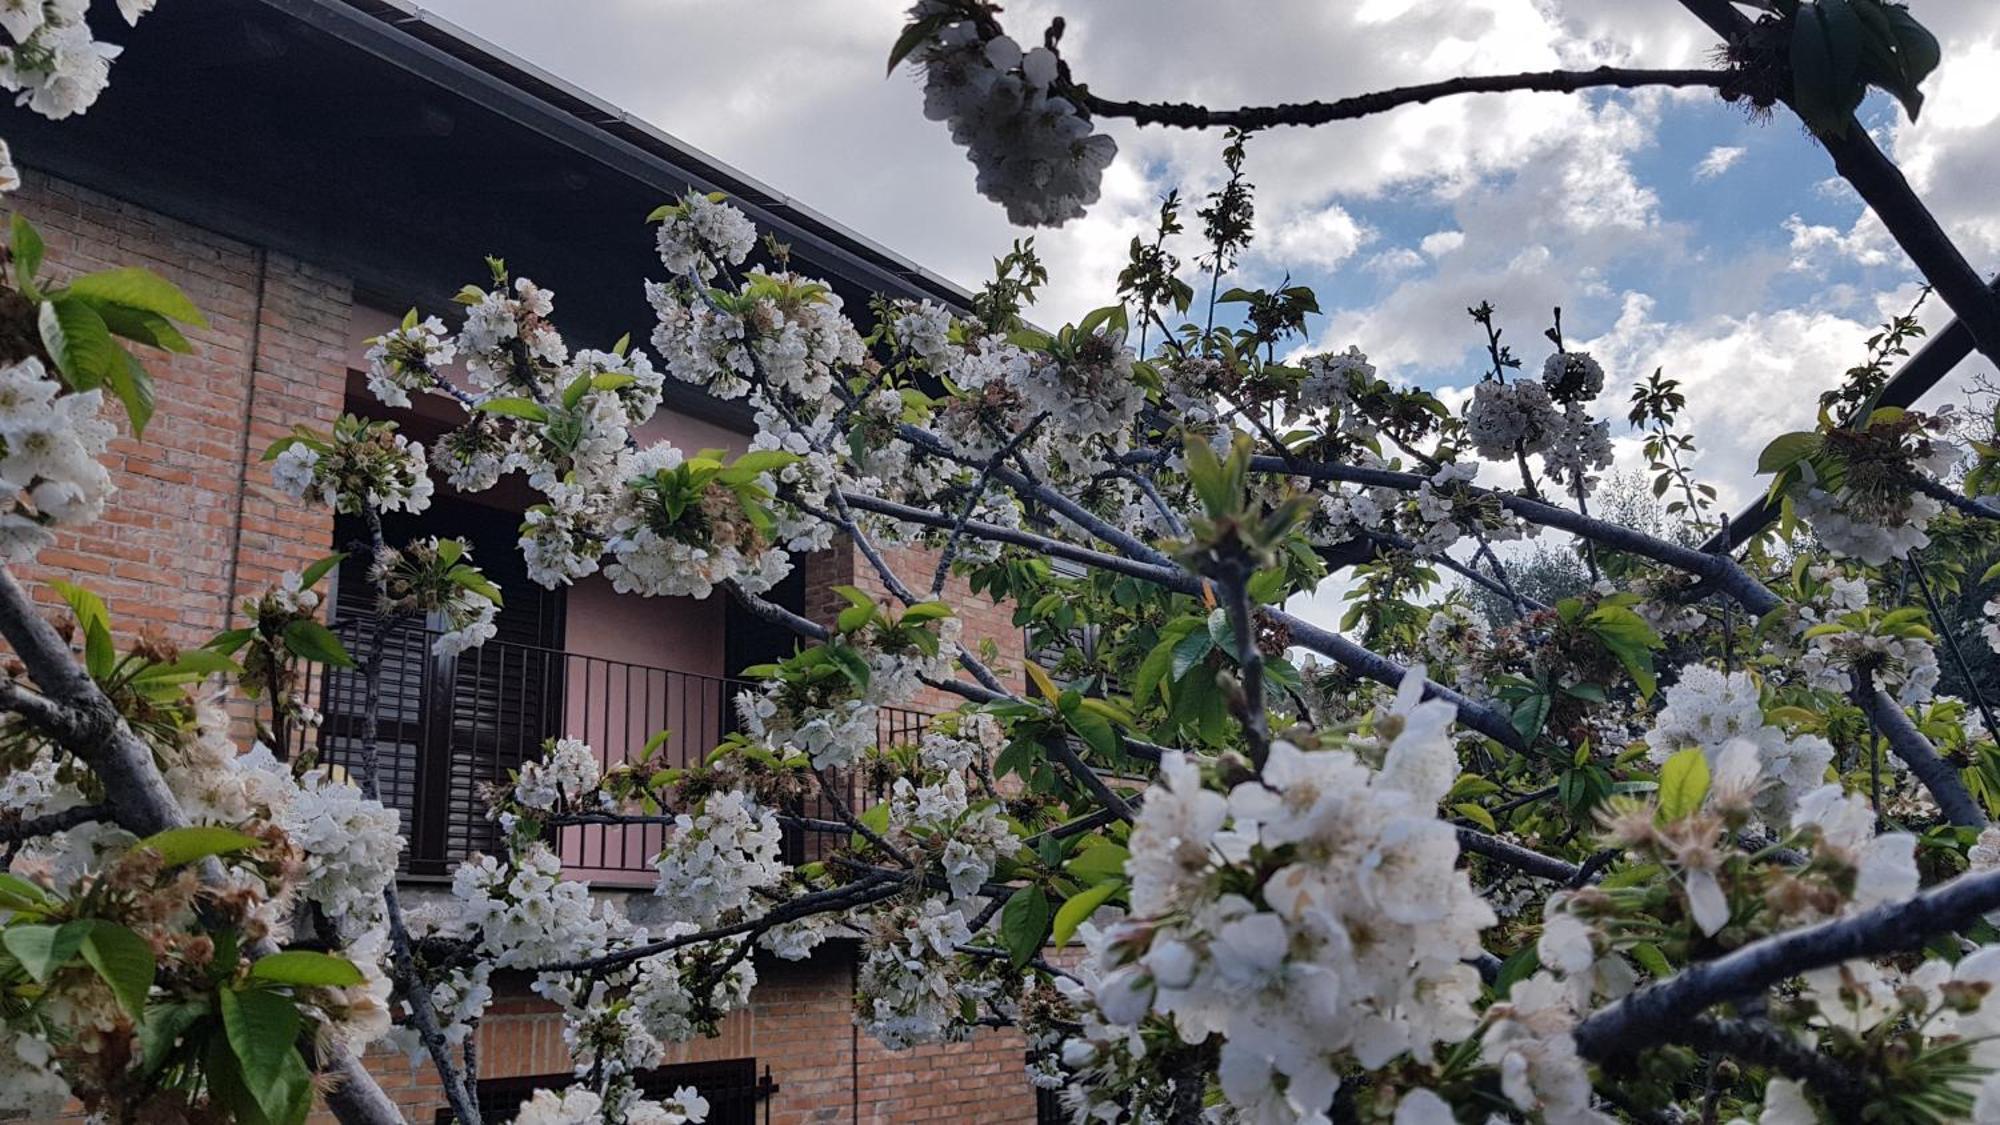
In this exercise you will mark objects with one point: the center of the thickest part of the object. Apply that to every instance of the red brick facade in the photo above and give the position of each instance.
(194, 527)
(183, 526)
(798, 1025)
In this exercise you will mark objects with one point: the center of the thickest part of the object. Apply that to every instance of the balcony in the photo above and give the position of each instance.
(450, 728)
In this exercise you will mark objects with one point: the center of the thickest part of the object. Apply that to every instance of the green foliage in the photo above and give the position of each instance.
(1024, 923)
(82, 324)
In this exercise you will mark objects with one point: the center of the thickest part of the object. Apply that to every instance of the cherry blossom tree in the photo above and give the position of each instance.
(1700, 839)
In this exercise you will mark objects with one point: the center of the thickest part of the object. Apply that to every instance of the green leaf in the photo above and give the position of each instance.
(193, 663)
(263, 1031)
(144, 327)
(1919, 51)
(25, 243)
(17, 893)
(1044, 686)
(1078, 908)
(1529, 715)
(1024, 922)
(1099, 862)
(85, 606)
(307, 968)
(160, 1032)
(875, 819)
(1096, 731)
(79, 341)
(913, 36)
(1191, 650)
(854, 617)
(138, 288)
(42, 950)
(1786, 450)
(1477, 814)
(1683, 783)
(1517, 968)
(231, 640)
(764, 460)
(134, 388)
(1146, 683)
(99, 655)
(125, 961)
(1652, 960)
(310, 576)
(314, 641)
(524, 408)
(185, 845)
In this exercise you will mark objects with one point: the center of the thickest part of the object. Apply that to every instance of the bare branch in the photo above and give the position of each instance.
(1182, 115)
(1523, 859)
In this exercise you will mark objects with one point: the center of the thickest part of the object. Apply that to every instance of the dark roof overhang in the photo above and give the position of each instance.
(372, 138)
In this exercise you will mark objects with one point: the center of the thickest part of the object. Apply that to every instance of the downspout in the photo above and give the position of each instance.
(256, 348)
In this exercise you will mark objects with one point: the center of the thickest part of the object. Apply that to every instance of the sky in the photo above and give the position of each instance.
(1674, 231)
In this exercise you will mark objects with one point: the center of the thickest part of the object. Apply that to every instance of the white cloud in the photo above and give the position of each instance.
(1325, 237)
(1864, 244)
(1719, 160)
(1391, 263)
(1439, 243)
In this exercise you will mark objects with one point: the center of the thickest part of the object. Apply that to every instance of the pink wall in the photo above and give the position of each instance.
(620, 692)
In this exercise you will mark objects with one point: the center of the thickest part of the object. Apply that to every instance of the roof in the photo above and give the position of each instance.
(373, 138)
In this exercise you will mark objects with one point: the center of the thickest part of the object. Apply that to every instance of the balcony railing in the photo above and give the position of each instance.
(451, 728)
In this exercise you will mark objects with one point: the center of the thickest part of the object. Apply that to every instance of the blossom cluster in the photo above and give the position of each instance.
(908, 988)
(431, 578)
(410, 357)
(716, 859)
(49, 472)
(361, 465)
(1349, 947)
(1710, 709)
(1035, 152)
(1872, 510)
(701, 233)
(566, 772)
(666, 544)
(55, 67)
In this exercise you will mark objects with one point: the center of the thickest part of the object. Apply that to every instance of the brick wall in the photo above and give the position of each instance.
(182, 527)
(984, 620)
(798, 1025)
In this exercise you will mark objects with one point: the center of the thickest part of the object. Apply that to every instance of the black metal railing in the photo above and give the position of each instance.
(450, 728)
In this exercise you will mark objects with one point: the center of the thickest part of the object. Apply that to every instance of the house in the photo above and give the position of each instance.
(306, 170)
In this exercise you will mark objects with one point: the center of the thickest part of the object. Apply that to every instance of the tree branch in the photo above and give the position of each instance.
(1182, 115)
(139, 798)
(1758, 1042)
(1662, 1009)
(1523, 859)
(1909, 744)
(51, 823)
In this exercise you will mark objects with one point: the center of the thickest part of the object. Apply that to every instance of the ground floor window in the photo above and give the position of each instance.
(734, 1089)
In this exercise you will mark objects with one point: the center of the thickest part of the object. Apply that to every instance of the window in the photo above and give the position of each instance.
(449, 725)
(733, 1089)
